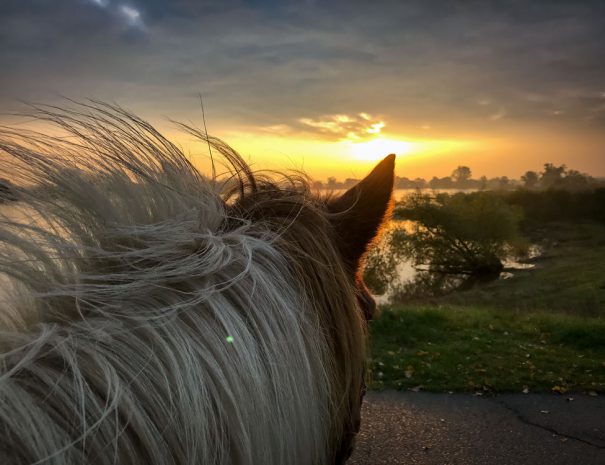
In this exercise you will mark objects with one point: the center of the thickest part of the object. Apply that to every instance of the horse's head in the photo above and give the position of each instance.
(361, 212)
(326, 239)
(163, 316)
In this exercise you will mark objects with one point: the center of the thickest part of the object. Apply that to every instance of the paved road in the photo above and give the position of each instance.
(440, 429)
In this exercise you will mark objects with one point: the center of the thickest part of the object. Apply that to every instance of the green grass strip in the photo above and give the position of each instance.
(473, 348)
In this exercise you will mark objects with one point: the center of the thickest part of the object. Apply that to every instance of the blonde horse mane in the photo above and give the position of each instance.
(152, 315)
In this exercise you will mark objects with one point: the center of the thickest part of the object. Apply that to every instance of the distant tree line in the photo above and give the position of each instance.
(458, 240)
(559, 177)
(558, 204)
(551, 177)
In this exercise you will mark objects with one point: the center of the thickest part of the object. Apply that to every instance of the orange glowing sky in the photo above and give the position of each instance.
(332, 87)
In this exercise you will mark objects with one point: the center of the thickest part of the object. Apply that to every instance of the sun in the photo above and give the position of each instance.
(377, 149)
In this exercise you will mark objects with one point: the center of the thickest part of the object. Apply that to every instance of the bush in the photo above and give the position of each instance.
(459, 235)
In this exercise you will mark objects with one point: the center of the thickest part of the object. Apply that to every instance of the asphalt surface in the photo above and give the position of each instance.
(445, 429)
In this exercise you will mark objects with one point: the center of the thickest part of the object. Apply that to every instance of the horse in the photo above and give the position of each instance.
(152, 314)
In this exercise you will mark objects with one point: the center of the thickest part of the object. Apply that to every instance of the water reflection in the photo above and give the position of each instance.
(416, 281)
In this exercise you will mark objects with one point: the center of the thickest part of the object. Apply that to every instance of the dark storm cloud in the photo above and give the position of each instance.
(270, 62)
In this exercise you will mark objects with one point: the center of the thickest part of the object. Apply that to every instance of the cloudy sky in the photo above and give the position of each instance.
(332, 86)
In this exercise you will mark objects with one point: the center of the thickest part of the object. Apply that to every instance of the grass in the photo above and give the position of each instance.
(483, 349)
(542, 330)
(568, 277)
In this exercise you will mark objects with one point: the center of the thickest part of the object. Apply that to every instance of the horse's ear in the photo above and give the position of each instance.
(361, 211)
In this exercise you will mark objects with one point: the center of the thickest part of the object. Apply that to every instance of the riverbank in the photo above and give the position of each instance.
(541, 330)
(567, 277)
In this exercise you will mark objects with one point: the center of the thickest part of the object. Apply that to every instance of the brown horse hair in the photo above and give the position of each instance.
(154, 315)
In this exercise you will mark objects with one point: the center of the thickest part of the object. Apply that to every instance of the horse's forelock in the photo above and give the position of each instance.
(149, 293)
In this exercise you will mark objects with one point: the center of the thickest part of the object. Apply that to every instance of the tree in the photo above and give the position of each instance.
(552, 175)
(441, 183)
(463, 235)
(575, 181)
(461, 175)
(530, 179)
(419, 183)
(503, 182)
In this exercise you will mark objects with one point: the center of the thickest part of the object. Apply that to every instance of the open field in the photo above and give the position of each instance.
(542, 330)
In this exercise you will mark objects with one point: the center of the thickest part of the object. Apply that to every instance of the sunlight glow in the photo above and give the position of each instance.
(343, 159)
(377, 149)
